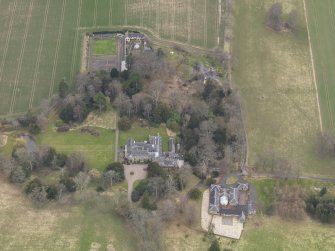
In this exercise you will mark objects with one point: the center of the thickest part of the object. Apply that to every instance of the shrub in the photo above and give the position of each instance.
(155, 170)
(215, 174)
(194, 194)
(323, 191)
(118, 168)
(18, 175)
(124, 123)
(67, 114)
(210, 181)
(215, 246)
(32, 184)
(61, 159)
(146, 204)
(69, 184)
(64, 128)
(99, 189)
(141, 187)
(52, 192)
(135, 196)
(220, 136)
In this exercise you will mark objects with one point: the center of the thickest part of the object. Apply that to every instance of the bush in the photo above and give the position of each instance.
(32, 184)
(18, 175)
(133, 85)
(215, 246)
(135, 196)
(99, 189)
(155, 170)
(114, 73)
(215, 174)
(118, 168)
(210, 181)
(61, 159)
(323, 191)
(124, 123)
(141, 187)
(69, 184)
(64, 128)
(52, 192)
(67, 114)
(220, 136)
(194, 194)
(146, 204)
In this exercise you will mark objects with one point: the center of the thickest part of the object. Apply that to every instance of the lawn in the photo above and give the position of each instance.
(139, 133)
(99, 151)
(41, 39)
(103, 47)
(274, 76)
(321, 21)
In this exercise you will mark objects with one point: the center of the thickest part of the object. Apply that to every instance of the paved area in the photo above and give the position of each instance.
(233, 230)
(139, 173)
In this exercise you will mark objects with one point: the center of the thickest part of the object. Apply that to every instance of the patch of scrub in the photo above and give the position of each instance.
(3, 140)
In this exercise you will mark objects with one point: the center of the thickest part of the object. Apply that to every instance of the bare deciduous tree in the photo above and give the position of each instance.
(156, 88)
(82, 180)
(290, 202)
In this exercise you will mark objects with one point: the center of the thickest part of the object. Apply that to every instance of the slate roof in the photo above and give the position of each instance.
(233, 208)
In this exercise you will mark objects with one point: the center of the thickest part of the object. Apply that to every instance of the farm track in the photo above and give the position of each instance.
(205, 24)
(142, 13)
(75, 45)
(312, 62)
(125, 12)
(23, 47)
(110, 21)
(59, 38)
(9, 33)
(189, 14)
(153, 35)
(95, 13)
(39, 54)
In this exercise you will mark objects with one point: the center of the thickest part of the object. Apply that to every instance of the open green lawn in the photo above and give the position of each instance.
(99, 151)
(41, 40)
(142, 133)
(104, 47)
(274, 76)
(321, 21)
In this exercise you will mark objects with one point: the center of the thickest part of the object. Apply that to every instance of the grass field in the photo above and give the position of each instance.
(99, 151)
(63, 227)
(104, 47)
(274, 75)
(321, 21)
(40, 43)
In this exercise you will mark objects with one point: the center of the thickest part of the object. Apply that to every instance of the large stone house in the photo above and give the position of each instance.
(151, 150)
(232, 200)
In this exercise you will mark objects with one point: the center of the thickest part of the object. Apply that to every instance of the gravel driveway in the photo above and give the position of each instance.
(139, 173)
